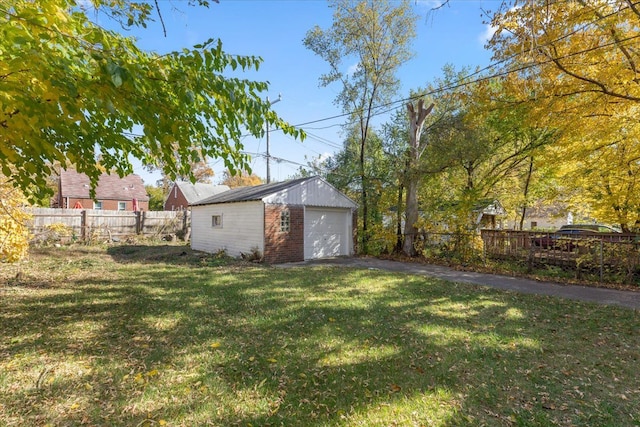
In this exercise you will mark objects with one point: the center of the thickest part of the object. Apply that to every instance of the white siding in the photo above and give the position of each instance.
(314, 192)
(242, 228)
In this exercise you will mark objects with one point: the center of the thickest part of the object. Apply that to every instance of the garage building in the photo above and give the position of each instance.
(288, 221)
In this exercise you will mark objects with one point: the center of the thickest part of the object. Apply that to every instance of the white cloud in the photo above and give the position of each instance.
(85, 4)
(324, 156)
(430, 4)
(352, 69)
(486, 35)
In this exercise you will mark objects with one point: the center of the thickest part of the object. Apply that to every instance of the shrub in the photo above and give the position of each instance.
(14, 234)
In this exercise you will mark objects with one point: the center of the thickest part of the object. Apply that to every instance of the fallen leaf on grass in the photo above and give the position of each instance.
(418, 369)
(395, 388)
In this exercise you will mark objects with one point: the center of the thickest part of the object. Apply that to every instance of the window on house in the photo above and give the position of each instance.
(285, 221)
(97, 205)
(534, 225)
(122, 206)
(216, 221)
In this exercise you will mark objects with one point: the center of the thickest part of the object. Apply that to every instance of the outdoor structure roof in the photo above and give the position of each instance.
(256, 192)
(110, 187)
(199, 191)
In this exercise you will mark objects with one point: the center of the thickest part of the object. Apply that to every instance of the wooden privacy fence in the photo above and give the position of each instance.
(90, 224)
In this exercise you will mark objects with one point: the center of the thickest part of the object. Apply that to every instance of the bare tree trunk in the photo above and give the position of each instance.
(526, 193)
(411, 218)
(398, 247)
(365, 202)
(416, 120)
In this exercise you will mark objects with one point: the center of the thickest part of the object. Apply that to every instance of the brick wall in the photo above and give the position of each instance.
(282, 246)
(176, 200)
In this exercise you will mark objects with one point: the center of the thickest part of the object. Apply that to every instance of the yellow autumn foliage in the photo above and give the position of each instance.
(577, 66)
(14, 234)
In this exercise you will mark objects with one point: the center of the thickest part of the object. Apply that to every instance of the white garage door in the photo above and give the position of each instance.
(326, 233)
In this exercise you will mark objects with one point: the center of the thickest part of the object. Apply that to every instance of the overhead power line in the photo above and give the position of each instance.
(464, 81)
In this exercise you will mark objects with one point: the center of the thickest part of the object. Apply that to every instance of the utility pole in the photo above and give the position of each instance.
(268, 156)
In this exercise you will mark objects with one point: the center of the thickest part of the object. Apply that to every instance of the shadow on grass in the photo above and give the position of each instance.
(162, 335)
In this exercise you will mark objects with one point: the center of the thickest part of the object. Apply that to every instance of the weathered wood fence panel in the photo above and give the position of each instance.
(601, 252)
(87, 224)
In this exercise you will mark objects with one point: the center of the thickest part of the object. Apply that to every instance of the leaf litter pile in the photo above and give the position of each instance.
(160, 335)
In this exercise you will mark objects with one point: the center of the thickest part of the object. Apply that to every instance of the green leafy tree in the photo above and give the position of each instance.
(14, 234)
(479, 150)
(582, 64)
(396, 149)
(72, 92)
(376, 35)
(342, 171)
(156, 197)
(241, 179)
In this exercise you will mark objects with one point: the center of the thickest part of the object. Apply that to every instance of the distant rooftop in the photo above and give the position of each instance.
(110, 187)
(257, 192)
(199, 191)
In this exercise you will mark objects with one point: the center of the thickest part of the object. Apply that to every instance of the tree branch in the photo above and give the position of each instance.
(4, 76)
(615, 37)
(4, 123)
(164, 29)
(602, 86)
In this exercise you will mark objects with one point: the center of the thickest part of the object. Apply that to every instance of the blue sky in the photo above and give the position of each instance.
(274, 30)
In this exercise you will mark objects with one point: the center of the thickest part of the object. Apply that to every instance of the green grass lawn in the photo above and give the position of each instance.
(158, 335)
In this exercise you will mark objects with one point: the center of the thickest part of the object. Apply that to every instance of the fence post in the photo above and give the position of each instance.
(484, 248)
(83, 225)
(138, 222)
(601, 261)
(186, 224)
(532, 255)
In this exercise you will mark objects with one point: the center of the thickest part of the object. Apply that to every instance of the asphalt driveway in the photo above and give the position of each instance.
(629, 299)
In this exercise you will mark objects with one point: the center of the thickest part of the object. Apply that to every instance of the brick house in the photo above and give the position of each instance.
(182, 194)
(287, 221)
(112, 192)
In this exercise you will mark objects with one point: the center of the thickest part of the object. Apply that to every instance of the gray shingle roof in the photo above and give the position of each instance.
(246, 194)
(110, 187)
(199, 191)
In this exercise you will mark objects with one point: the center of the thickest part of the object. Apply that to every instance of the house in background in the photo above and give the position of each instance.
(183, 194)
(489, 214)
(285, 221)
(112, 192)
(543, 217)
